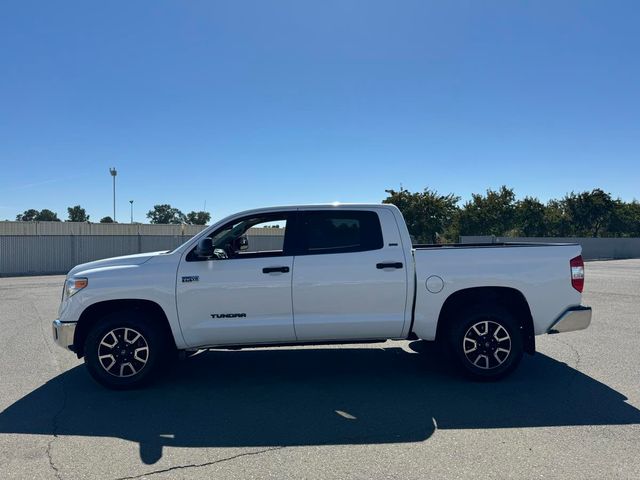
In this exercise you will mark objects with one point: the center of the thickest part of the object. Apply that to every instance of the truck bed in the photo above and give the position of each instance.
(542, 275)
(424, 246)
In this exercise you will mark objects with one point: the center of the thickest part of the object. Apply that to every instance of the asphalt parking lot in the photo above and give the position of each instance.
(365, 411)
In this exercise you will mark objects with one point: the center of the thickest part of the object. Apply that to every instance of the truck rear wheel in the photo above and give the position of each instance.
(486, 341)
(124, 351)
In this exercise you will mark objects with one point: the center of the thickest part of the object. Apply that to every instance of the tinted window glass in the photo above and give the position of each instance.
(340, 231)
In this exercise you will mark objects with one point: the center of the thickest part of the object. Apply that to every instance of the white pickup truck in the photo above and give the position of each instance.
(318, 275)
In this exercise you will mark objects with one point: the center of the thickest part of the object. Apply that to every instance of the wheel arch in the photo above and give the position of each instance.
(93, 313)
(508, 297)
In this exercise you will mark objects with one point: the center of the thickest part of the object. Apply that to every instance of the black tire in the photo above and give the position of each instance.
(486, 342)
(126, 337)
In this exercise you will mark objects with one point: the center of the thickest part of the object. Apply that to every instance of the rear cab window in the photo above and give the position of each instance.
(339, 231)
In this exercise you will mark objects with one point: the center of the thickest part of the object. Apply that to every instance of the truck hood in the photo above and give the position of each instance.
(137, 259)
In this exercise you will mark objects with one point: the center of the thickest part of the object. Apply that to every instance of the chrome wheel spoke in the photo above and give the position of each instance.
(126, 366)
(482, 357)
(497, 356)
(474, 345)
(141, 354)
(109, 336)
(485, 328)
(136, 336)
(504, 332)
(111, 363)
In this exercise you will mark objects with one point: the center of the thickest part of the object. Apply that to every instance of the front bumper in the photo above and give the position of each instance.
(573, 318)
(63, 333)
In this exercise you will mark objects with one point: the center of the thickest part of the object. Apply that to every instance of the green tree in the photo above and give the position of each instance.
(165, 213)
(625, 219)
(28, 215)
(556, 219)
(428, 214)
(492, 214)
(77, 214)
(632, 215)
(106, 220)
(33, 215)
(530, 218)
(46, 215)
(198, 218)
(589, 212)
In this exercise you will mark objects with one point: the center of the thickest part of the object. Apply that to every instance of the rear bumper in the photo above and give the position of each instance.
(573, 318)
(63, 333)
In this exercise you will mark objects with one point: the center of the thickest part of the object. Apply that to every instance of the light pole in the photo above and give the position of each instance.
(113, 173)
(131, 202)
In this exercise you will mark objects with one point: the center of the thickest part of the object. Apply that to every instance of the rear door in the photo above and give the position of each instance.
(349, 276)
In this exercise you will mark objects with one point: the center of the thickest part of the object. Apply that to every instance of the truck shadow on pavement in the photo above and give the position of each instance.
(289, 397)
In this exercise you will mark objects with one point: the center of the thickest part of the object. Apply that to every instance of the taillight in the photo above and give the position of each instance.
(577, 273)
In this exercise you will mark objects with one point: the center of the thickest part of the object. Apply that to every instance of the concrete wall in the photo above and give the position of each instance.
(40, 248)
(592, 248)
(54, 250)
(50, 254)
(86, 228)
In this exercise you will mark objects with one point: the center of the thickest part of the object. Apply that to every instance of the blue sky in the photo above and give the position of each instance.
(245, 104)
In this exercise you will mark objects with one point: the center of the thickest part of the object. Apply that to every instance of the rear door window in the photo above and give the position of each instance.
(340, 231)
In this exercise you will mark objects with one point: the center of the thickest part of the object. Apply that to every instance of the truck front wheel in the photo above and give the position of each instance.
(124, 350)
(486, 341)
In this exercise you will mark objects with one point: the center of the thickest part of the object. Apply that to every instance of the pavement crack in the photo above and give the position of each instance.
(575, 351)
(576, 368)
(54, 432)
(52, 465)
(198, 465)
(55, 418)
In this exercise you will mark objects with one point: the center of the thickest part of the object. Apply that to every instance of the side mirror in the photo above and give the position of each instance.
(204, 248)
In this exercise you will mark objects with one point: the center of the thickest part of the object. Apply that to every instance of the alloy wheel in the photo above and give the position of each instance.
(486, 344)
(123, 352)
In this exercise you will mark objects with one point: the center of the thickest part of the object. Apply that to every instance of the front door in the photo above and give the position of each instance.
(243, 293)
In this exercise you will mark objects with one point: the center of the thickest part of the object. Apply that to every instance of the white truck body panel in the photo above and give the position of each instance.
(152, 279)
(324, 297)
(342, 296)
(540, 273)
(230, 286)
